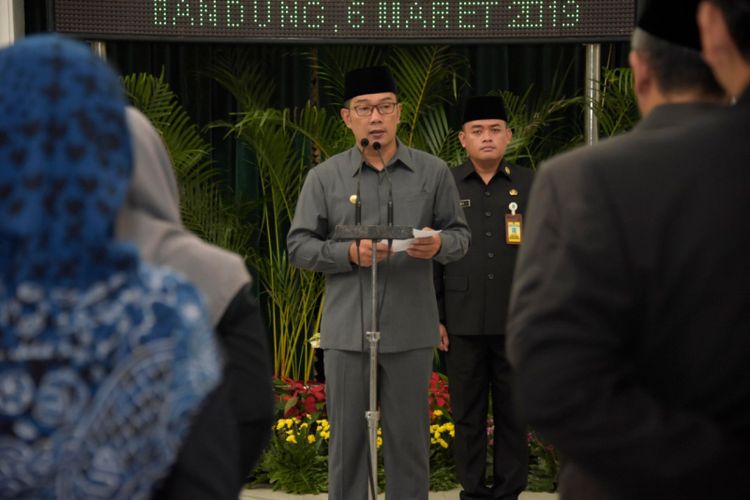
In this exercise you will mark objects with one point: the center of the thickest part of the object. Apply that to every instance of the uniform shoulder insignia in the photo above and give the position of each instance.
(464, 203)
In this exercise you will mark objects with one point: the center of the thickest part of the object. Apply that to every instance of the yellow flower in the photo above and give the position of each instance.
(303, 425)
(291, 439)
(311, 438)
(379, 442)
(443, 443)
(279, 425)
(437, 413)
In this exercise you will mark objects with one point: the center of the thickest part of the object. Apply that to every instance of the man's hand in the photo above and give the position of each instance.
(365, 252)
(444, 342)
(425, 248)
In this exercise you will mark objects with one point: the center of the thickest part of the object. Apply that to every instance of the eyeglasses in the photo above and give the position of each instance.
(384, 108)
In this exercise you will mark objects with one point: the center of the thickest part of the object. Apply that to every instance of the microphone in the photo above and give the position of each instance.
(376, 146)
(358, 203)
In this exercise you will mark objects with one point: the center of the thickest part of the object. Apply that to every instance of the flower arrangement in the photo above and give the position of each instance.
(297, 398)
(442, 467)
(296, 458)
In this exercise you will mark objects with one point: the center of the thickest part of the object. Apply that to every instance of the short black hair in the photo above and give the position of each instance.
(676, 68)
(737, 15)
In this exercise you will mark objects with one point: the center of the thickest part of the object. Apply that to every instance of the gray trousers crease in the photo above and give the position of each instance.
(403, 383)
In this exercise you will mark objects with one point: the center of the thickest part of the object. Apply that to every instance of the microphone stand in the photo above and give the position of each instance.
(374, 233)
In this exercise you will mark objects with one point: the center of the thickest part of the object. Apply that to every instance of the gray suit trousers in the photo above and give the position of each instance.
(403, 383)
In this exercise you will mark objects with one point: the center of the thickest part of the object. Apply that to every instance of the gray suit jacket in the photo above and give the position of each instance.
(424, 194)
(630, 313)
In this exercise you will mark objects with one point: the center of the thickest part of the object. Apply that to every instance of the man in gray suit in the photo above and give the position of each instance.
(630, 313)
(424, 195)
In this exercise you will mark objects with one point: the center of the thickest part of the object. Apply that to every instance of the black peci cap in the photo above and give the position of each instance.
(486, 107)
(671, 20)
(372, 80)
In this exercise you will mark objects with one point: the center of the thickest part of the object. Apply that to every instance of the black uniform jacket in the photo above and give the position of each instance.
(629, 323)
(473, 292)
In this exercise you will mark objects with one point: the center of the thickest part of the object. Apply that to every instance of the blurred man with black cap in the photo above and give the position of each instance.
(629, 323)
(424, 196)
(473, 295)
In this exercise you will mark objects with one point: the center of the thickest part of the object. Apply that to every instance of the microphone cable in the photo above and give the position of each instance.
(377, 147)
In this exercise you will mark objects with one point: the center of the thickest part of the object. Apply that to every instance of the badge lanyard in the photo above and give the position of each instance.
(513, 225)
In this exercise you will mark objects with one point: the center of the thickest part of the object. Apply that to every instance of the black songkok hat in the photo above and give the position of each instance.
(486, 107)
(671, 20)
(373, 80)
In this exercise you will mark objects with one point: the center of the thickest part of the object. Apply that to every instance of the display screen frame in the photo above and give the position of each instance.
(348, 21)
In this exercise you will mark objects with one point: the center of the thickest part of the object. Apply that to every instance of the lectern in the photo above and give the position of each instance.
(375, 234)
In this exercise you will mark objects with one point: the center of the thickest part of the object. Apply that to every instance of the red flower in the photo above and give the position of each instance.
(301, 398)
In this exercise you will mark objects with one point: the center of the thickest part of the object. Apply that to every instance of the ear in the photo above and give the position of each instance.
(642, 76)
(346, 116)
(462, 138)
(508, 133)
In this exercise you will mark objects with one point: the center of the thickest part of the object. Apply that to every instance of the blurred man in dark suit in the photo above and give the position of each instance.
(630, 314)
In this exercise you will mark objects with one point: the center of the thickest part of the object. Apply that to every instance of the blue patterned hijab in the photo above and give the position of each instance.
(103, 359)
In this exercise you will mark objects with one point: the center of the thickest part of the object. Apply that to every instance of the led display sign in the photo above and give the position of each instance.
(348, 21)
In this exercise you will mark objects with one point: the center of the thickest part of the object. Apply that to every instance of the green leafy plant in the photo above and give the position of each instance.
(544, 465)
(275, 139)
(617, 110)
(295, 460)
(204, 205)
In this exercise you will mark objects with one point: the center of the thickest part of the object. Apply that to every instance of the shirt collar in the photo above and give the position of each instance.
(467, 169)
(404, 156)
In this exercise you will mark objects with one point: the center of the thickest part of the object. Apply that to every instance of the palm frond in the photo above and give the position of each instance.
(333, 64)
(244, 77)
(535, 123)
(203, 206)
(427, 77)
(617, 110)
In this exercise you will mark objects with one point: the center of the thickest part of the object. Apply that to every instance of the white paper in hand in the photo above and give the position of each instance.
(402, 245)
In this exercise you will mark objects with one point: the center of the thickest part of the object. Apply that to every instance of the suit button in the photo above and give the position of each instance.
(487, 193)
(488, 234)
(490, 276)
(490, 254)
(488, 213)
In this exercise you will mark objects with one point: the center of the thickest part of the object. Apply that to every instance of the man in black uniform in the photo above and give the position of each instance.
(629, 323)
(473, 296)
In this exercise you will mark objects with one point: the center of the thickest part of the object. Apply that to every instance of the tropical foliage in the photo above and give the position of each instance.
(203, 200)
(616, 111)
